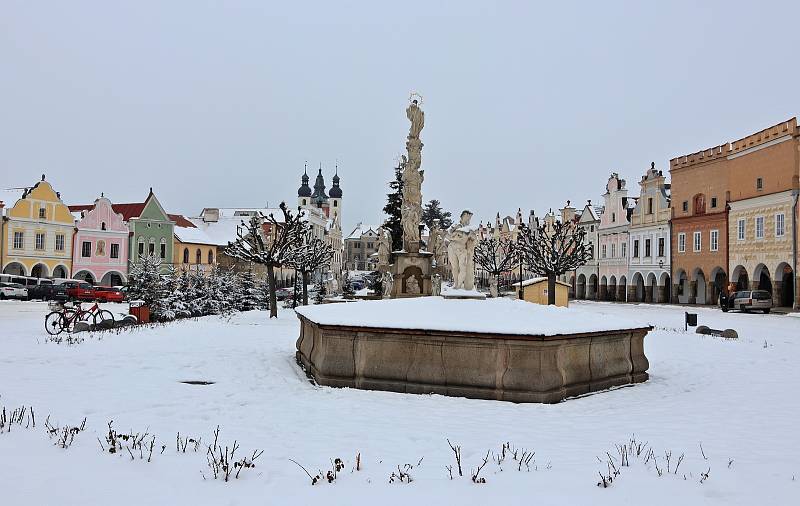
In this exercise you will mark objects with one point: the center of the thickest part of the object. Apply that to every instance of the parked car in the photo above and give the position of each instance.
(79, 290)
(13, 291)
(108, 294)
(745, 300)
(46, 291)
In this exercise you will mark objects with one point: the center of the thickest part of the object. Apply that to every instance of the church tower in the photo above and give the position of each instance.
(304, 192)
(335, 200)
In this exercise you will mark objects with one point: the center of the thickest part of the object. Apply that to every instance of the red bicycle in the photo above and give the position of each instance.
(65, 318)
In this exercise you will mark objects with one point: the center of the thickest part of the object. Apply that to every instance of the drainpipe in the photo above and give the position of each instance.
(795, 194)
(2, 233)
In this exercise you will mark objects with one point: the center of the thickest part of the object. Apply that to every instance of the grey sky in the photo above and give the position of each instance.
(220, 103)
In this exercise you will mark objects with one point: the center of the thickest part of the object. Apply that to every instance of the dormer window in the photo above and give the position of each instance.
(103, 226)
(42, 213)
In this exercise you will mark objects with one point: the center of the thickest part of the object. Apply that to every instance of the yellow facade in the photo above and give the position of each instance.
(37, 235)
(537, 293)
(184, 251)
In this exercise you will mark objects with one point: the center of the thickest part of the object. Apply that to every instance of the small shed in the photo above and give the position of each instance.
(535, 290)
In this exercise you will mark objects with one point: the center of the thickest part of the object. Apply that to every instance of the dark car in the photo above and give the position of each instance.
(47, 291)
(108, 294)
(79, 290)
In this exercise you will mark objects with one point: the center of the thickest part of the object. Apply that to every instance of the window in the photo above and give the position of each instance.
(740, 229)
(86, 249)
(59, 242)
(114, 250)
(714, 240)
(103, 226)
(681, 242)
(369, 245)
(335, 203)
(210, 257)
(759, 227)
(198, 256)
(685, 206)
(42, 213)
(759, 183)
(650, 205)
(163, 249)
(304, 201)
(603, 251)
(624, 247)
(713, 202)
(661, 246)
(19, 240)
(141, 247)
(591, 229)
(39, 240)
(613, 250)
(647, 247)
(186, 255)
(636, 248)
(151, 248)
(780, 225)
(613, 217)
(698, 241)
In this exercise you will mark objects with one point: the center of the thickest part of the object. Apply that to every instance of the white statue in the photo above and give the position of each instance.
(436, 245)
(461, 241)
(387, 282)
(411, 209)
(436, 285)
(384, 247)
(334, 286)
(412, 285)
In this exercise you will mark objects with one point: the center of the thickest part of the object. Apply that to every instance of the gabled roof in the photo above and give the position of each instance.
(362, 229)
(129, 211)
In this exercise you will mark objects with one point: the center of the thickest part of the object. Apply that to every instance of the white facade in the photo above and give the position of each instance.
(587, 276)
(613, 241)
(649, 241)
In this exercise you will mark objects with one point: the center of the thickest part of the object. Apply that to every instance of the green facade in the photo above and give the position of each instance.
(152, 232)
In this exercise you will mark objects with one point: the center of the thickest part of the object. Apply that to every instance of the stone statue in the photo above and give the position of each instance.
(436, 287)
(411, 209)
(461, 241)
(384, 247)
(412, 285)
(436, 245)
(334, 286)
(387, 283)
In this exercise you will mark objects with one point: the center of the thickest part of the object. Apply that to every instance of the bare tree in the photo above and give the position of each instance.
(266, 241)
(553, 249)
(495, 256)
(313, 253)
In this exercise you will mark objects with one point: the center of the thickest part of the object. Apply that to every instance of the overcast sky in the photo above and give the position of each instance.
(527, 105)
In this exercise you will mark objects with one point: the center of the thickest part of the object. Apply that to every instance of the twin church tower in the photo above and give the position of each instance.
(329, 203)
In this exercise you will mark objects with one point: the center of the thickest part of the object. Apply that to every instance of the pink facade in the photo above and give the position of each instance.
(100, 248)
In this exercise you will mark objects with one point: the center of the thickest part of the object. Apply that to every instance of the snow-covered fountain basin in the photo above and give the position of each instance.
(497, 349)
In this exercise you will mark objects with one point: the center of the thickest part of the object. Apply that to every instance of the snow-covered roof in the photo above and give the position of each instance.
(219, 232)
(495, 316)
(362, 229)
(533, 281)
(193, 235)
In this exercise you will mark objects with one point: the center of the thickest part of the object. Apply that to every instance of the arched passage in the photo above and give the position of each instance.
(719, 281)
(784, 284)
(740, 277)
(612, 288)
(665, 288)
(603, 294)
(592, 288)
(113, 278)
(762, 278)
(622, 289)
(39, 271)
(580, 288)
(651, 290)
(699, 292)
(60, 272)
(15, 269)
(682, 287)
(85, 276)
(637, 288)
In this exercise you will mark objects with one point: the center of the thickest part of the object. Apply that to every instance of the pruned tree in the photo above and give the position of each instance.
(312, 254)
(266, 241)
(495, 256)
(552, 250)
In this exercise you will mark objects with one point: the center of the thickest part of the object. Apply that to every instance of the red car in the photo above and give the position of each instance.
(108, 294)
(79, 290)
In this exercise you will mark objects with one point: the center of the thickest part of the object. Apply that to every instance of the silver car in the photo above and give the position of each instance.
(13, 291)
(759, 300)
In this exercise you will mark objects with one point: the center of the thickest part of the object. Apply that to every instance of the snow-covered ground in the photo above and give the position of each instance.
(738, 398)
